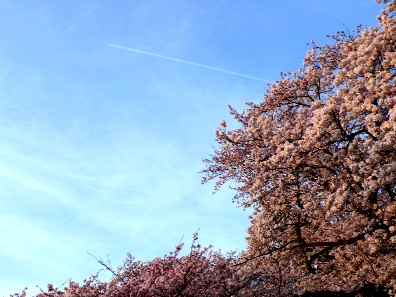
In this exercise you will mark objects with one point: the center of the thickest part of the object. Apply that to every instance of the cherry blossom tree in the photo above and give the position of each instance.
(202, 272)
(316, 161)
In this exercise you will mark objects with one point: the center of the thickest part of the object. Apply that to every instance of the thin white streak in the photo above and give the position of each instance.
(188, 62)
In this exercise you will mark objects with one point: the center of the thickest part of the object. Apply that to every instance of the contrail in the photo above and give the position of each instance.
(187, 62)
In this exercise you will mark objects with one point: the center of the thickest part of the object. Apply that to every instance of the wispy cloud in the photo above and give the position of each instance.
(34, 184)
(188, 62)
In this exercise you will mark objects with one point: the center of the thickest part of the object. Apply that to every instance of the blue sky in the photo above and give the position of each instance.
(100, 148)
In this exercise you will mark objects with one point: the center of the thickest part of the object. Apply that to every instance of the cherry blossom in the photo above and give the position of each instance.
(316, 161)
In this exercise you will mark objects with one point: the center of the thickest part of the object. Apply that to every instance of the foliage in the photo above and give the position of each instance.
(202, 272)
(316, 160)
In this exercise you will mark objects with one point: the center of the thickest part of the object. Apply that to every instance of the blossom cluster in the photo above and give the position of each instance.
(316, 160)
